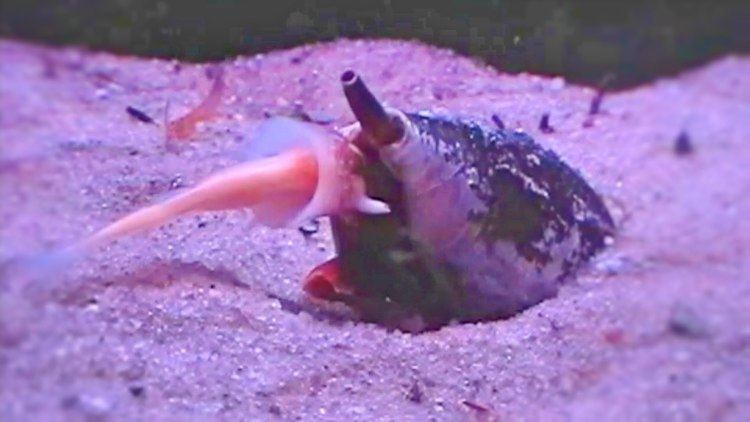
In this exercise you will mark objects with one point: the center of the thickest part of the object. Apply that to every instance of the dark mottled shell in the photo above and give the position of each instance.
(530, 202)
(533, 199)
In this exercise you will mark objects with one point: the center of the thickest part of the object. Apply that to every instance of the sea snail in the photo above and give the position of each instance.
(434, 219)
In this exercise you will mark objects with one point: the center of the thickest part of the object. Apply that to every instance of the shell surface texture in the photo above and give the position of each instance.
(482, 223)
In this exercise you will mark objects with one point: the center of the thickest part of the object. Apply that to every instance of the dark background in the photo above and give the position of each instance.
(633, 41)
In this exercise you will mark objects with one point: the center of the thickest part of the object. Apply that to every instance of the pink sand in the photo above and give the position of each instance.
(205, 317)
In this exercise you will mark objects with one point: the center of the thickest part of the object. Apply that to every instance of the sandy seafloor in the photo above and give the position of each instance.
(204, 318)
